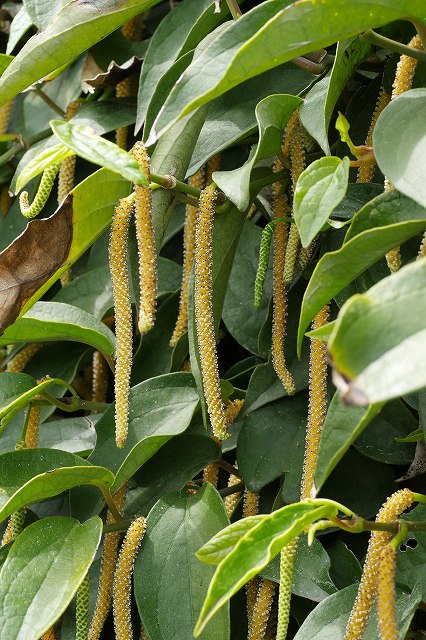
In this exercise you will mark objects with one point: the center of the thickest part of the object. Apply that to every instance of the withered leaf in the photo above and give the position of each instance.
(31, 259)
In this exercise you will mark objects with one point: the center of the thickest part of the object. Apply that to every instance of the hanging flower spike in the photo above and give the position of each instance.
(67, 170)
(42, 195)
(82, 610)
(212, 165)
(123, 90)
(262, 267)
(392, 509)
(122, 579)
(22, 358)
(106, 576)
(204, 312)
(366, 171)
(317, 405)
(279, 314)
(386, 610)
(251, 508)
(99, 378)
(5, 112)
(146, 245)
(123, 315)
(31, 433)
(197, 181)
(404, 77)
(262, 608)
(211, 474)
(230, 502)
(287, 558)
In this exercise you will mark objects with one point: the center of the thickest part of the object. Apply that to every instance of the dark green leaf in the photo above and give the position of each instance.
(410, 563)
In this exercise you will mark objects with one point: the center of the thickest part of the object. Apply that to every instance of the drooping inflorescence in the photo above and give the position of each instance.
(367, 590)
(123, 90)
(106, 576)
(31, 432)
(197, 181)
(386, 609)
(264, 251)
(251, 508)
(366, 170)
(261, 611)
(82, 610)
(146, 245)
(67, 169)
(317, 405)
(287, 558)
(122, 579)
(123, 315)
(404, 77)
(43, 192)
(99, 377)
(22, 358)
(204, 312)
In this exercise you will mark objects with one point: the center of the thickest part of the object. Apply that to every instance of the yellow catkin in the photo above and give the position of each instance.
(122, 579)
(287, 558)
(251, 508)
(22, 358)
(123, 315)
(123, 90)
(5, 112)
(5, 200)
(99, 378)
(212, 165)
(49, 635)
(31, 434)
(392, 509)
(232, 409)
(386, 609)
(230, 502)
(261, 611)
(317, 405)
(106, 576)
(279, 314)
(211, 474)
(366, 172)
(204, 312)
(67, 170)
(197, 181)
(8, 533)
(146, 245)
(404, 77)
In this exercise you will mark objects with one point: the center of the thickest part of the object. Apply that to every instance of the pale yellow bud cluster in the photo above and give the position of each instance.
(261, 611)
(230, 502)
(99, 378)
(67, 170)
(42, 195)
(146, 245)
(279, 314)
(106, 577)
(305, 254)
(82, 610)
(123, 90)
(123, 315)
(366, 171)
(212, 165)
(317, 405)
(31, 433)
(367, 590)
(287, 558)
(122, 579)
(49, 635)
(197, 181)
(386, 610)
(22, 358)
(232, 409)
(5, 112)
(251, 508)
(204, 312)
(211, 474)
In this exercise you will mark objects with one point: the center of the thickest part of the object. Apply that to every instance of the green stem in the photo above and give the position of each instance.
(234, 9)
(111, 504)
(73, 404)
(393, 45)
(170, 182)
(308, 65)
(229, 468)
(49, 101)
(23, 144)
(121, 525)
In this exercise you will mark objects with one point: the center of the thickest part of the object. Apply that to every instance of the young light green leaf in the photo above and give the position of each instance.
(376, 345)
(46, 158)
(176, 527)
(402, 157)
(30, 475)
(319, 189)
(218, 547)
(318, 106)
(47, 321)
(18, 27)
(62, 549)
(89, 145)
(382, 224)
(74, 29)
(263, 39)
(12, 386)
(272, 115)
(254, 551)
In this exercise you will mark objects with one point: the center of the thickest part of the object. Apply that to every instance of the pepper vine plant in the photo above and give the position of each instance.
(212, 316)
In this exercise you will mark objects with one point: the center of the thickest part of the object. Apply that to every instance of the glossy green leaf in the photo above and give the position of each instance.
(159, 409)
(89, 145)
(272, 115)
(18, 27)
(42, 572)
(401, 157)
(319, 104)
(380, 365)
(319, 189)
(385, 222)
(345, 568)
(48, 321)
(328, 620)
(254, 551)
(410, 563)
(166, 566)
(76, 435)
(74, 29)
(341, 427)
(42, 12)
(78, 222)
(12, 386)
(261, 40)
(30, 475)
(179, 32)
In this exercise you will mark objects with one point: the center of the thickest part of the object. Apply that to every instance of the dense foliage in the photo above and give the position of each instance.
(212, 396)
